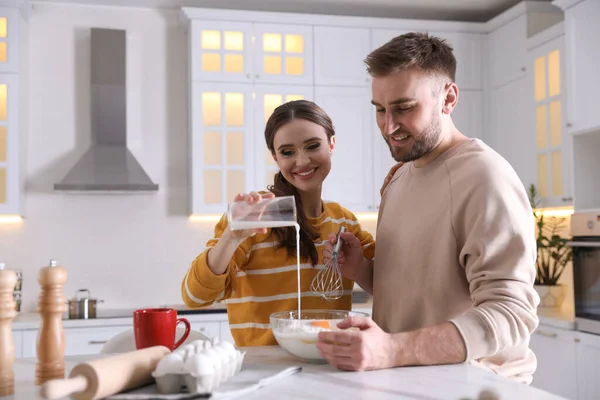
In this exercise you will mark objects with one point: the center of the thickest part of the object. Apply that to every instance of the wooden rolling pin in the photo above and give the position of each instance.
(106, 376)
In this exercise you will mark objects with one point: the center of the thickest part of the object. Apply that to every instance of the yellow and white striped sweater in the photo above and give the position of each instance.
(261, 278)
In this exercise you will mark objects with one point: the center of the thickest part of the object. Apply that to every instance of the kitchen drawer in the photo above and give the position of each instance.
(77, 340)
(210, 329)
(226, 332)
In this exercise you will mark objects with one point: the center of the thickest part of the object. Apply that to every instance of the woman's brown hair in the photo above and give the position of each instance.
(285, 113)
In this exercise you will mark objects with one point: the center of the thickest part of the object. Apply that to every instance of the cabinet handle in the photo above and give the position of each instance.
(577, 340)
(523, 69)
(257, 76)
(567, 199)
(98, 342)
(249, 76)
(547, 334)
(568, 125)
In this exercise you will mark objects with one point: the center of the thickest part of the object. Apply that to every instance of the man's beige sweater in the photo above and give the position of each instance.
(456, 242)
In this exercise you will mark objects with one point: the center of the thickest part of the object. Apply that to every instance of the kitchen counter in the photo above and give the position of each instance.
(111, 317)
(562, 318)
(321, 381)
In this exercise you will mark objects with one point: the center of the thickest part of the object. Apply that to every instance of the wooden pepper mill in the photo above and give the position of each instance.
(8, 312)
(50, 339)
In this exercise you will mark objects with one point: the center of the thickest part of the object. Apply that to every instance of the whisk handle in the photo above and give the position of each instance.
(338, 240)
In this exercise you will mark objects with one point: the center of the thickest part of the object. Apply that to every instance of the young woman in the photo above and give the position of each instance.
(256, 270)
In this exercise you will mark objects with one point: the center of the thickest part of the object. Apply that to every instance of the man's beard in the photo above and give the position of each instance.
(423, 143)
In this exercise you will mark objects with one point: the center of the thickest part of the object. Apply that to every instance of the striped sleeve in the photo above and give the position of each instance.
(200, 286)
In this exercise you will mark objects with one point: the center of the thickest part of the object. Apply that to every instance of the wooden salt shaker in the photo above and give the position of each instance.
(50, 339)
(8, 279)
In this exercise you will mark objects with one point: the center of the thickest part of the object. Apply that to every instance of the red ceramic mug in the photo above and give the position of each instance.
(157, 327)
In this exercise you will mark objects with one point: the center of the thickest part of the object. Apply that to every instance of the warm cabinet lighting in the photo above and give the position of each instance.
(3, 27)
(294, 44)
(3, 100)
(272, 42)
(294, 65)
(3, 187)
(211, 40)
(211, 109)
(554, 73)
(10, 219)
(3, 144)
(234, 41)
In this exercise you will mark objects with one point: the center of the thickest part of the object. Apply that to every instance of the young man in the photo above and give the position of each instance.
(453, 275)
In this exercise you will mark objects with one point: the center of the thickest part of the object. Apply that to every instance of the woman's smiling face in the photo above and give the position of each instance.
(303, 154)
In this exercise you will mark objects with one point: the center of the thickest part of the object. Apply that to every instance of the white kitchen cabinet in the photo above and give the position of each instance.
(10, 182)
(237, 51)
(583, 59)
(468, 113)
(211, 329)
(588, 363)
(553, 145)
(511, 126)
(221, 51)
(226, 332)
(87, 340)
(222, 155)
(10, 111)
(556, 351)
(266, 99)
(467, 49)
(18, 341)
(349, 182)
(283, 53)
(508, 52)
(340, 54)
(9, 40)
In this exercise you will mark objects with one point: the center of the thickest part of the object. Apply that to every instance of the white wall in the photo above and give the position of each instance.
(129, 250)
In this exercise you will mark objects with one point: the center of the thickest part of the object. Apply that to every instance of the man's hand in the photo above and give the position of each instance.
(350, 258)
(389, 176)
(366, 349)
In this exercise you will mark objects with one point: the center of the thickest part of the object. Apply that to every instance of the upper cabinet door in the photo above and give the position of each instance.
(9, 145)
(467, 48)
(581, 22)
(469, 56)
(508, 54)
(283, 54)
(221, 51)
(350, 181)
(553, 146)
(267, 98)
(9, 40)
(221, 144)
(468, 114)
(340, 55)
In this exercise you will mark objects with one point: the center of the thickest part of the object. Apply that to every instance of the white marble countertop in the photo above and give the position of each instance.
(321, 381)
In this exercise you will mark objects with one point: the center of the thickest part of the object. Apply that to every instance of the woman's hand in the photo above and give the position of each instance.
(250, 199)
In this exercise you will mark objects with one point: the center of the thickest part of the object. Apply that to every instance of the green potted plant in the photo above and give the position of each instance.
(553, 255)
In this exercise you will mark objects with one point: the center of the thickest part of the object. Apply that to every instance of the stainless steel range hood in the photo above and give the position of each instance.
(108, 165)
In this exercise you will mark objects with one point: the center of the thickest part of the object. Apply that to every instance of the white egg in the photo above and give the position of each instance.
(199, 365)
(170, 364)
(229, 348)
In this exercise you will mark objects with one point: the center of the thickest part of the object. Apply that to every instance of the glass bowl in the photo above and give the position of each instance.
(299, 336)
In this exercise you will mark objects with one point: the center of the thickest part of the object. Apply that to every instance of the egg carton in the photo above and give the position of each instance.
(200, 366)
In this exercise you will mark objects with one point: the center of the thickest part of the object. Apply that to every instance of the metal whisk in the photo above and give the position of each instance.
(328, 281)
